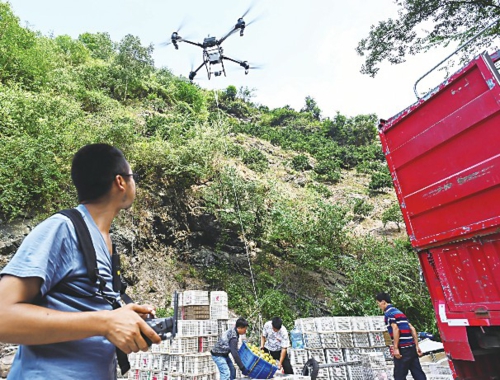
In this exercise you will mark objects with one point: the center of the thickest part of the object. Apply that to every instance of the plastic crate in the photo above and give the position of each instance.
(219, 312)
(360, 339)
(343, 324)
(194, 297)
(325, 324)
(338, 373)
(184, 346)
(373, 360)
(329, 340)
(376, 338)
(174, 364)
(355, 373)
(297, 357)
(345, 339)
(194, 312)
(360, 324)
(188, 328)
(377, 324)
(352, 354)
(208, 327)
(206, 343)
(145, 361)
(317, 354)
(334, 355)
(218, 298)
(198, 364)
(258, 367)
(306, 324)
(312, 340)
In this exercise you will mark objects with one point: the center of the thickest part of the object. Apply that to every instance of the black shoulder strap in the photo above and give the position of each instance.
(84, 241)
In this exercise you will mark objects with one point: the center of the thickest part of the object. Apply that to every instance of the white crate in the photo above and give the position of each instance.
(378, 373)
(208, 327)
(198, 364)
(298, 357)
(312, 340)
(360, 339)
(218, 298)
(352, 354)
(145, 361)
(188, 328)
(157, 375)
(323, 374)
(157, 362)
(334, 355)
(338, 373)
(205, 376)
(345, 340)
(317, 354)
(440, 377)
(439, 369)
(360, 323)
(373, 360)
(376, 338)
(325, 324)
(219, 312)
(329, 340)
(195, 297)
(343, 324)
(355, 372)
(206, 343)
(306, 324)
(134, 374)
(184, 346)
(377, 324)
(174, 364)
(385, 351)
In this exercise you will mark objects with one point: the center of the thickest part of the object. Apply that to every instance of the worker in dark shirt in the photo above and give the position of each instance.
(404, 338)
(228, 343)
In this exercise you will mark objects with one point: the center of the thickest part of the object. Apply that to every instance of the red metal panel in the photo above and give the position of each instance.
(444, 157)
(469, 273)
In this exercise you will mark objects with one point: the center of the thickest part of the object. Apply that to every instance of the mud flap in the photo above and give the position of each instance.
(311, 368)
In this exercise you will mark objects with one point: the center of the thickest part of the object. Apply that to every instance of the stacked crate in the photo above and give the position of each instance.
(340, 340)
(187, 356)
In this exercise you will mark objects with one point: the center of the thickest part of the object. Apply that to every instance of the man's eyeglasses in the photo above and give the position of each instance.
(134, 175)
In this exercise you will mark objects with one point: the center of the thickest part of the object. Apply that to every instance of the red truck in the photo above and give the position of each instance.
(443, 153)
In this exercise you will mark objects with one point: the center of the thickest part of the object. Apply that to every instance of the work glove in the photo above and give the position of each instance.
(245, 372)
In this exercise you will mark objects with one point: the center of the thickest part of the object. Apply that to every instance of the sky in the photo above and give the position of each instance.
(303, 48)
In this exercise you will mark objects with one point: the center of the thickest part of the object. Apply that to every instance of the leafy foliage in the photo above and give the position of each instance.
(59, 93)
(451, 21)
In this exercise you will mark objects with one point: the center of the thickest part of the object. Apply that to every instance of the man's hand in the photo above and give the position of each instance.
(124, 327)
(397, 354)
(419, 351)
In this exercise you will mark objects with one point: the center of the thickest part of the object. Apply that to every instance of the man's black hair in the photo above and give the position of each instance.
(383, 297)
(277, 322)
(241, 322)
(94, 168)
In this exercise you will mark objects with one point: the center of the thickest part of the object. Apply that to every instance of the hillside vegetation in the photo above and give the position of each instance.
(283, 209)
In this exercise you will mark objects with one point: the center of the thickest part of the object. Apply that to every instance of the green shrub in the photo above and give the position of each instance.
(255, 160)
(393, 214)
(300, 163)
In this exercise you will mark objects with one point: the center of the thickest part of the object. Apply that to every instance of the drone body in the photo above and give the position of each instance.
(213, 54)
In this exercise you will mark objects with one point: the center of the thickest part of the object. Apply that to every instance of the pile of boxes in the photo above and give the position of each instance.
(342, 341)
(202, 318)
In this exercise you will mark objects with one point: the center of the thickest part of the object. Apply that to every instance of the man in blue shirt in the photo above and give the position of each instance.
(404, 338)
(72, 334)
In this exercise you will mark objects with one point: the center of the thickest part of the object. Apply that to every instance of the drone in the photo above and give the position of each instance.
(213, 54)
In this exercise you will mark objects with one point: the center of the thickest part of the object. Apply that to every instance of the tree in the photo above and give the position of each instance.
(100, 44)
(132, 63)
(452, 21)
(312, 107)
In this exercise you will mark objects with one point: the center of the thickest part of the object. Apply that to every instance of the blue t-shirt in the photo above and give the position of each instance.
(394, 315)
(51, 252)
